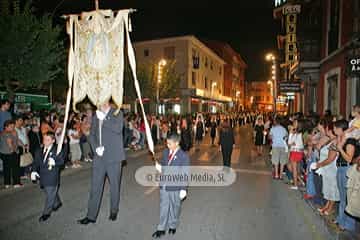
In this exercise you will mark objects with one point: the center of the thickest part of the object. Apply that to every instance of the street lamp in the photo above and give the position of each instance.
(213, 85)
(272, 58)
(160, 66)
(237, 99)
(269, 82)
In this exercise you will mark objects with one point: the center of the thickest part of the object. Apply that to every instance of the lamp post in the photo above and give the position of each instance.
(271, 57)
(237, 100)
(269, 82)
(160, 66)
(213, 85)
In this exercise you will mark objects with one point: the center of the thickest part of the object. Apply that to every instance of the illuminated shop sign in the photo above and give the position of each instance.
(354, 65)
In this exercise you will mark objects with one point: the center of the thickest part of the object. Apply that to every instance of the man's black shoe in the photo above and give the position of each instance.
(158, 234)
(57, 207)
(113, 217)
(172, 231)
(85, 221)
(43, 218)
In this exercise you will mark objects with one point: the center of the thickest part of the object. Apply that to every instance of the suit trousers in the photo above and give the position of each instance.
(100, 170)
(170, 205)
(226, 154)
(52, 199)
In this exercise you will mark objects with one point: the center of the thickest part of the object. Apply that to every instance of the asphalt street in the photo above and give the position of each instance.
(254, 207)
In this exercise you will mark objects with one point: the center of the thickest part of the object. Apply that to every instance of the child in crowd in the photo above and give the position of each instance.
(354, 126)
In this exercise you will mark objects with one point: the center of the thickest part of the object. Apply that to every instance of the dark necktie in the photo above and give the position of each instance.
(170, 157)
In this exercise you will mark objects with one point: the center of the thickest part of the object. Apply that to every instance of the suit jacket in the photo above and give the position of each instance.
(226, 138)
(112, 137)
(181, 161)
(48, 177)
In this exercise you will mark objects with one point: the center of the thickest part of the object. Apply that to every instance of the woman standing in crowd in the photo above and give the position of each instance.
(85, 132)
(213, 127)
(226, 142)
(186, 140)
(311, 157)
(8, 149)
(259, 135)
(35, 139)
(327, 170)
(346, 149)
(164, 130)
(199, 130)
(154, 130)
(22, 134)
(141, 129)
(45, 125)
(74, 143)
(296, 144)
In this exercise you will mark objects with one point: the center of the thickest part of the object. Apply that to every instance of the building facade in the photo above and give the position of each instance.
(200, 68)
(327, 55)
(309, 47)
(338, 88)
(234, 72)
(260, 96)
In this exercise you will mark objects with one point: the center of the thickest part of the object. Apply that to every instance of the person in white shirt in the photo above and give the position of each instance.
(22, 134)
(296, 145)
(74, 144)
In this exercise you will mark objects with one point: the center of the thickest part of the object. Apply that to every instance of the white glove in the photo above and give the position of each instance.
(313, 166)
(100, 115)
(182, 194)
(34, 176)
(158, 167)
(51, 162)
(100, 151)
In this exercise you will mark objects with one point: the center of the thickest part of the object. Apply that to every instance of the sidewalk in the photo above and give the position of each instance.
(327, 220)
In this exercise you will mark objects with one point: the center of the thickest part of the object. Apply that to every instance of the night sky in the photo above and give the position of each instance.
(247, 26)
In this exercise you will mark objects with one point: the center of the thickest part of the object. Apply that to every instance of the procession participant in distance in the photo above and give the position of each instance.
(226, 142)
(213, 127)
(106, 138)
(171, 195)
(46, 166)
(199, 130)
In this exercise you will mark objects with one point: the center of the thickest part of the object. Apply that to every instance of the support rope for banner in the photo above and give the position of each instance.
(71, 67)
(131, 56)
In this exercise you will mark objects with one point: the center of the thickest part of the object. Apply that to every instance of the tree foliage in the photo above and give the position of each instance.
(31, 52)
(147, 76)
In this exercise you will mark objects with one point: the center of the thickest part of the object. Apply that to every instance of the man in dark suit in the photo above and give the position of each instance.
(46, 166)
(227, 143)
(174, 162)
(106, 139)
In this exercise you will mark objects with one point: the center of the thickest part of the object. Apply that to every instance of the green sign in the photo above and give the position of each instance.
(27, 98)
